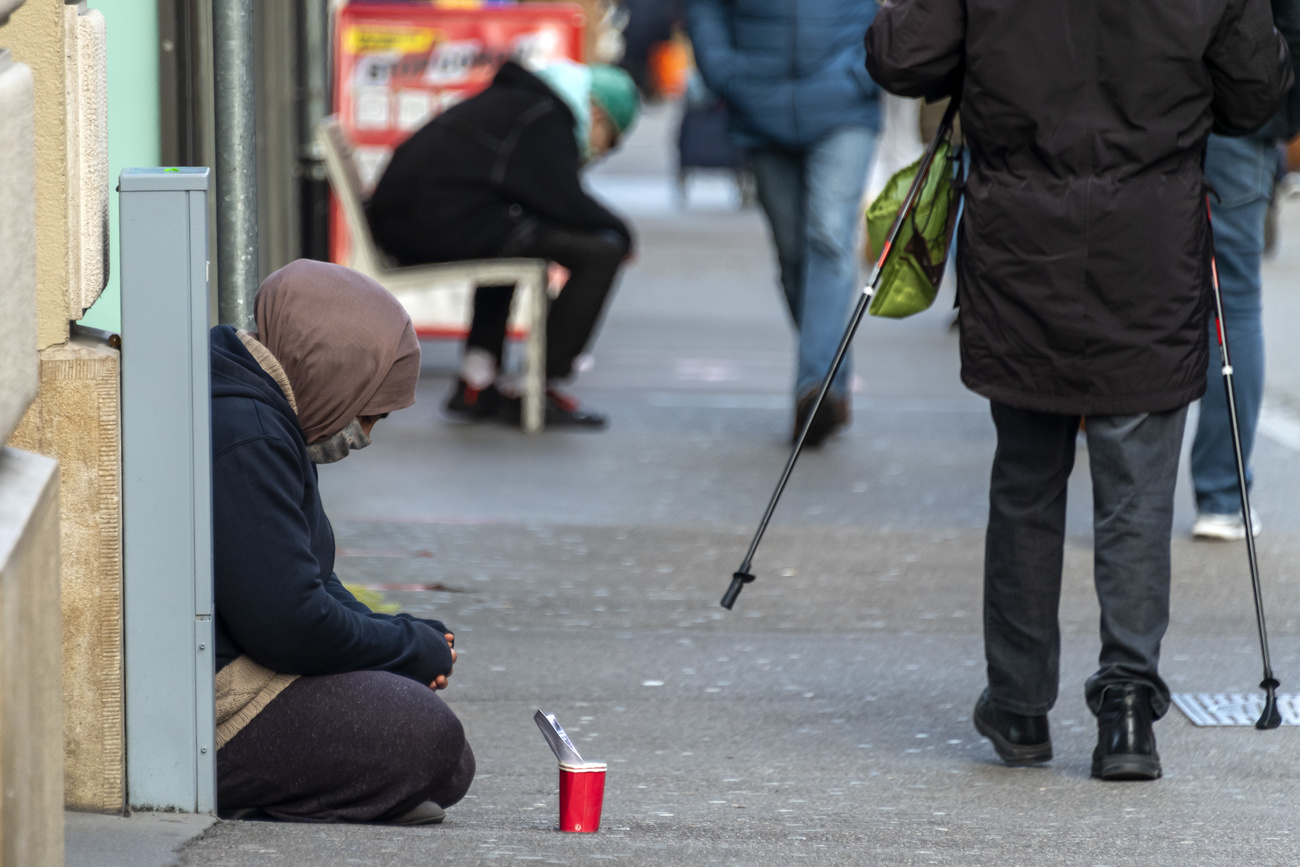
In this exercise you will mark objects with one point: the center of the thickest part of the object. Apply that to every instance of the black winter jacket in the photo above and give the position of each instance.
(277, 598)
(1083, 251)
(470, 179)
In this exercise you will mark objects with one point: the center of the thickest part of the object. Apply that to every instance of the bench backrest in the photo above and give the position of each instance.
(346, 183)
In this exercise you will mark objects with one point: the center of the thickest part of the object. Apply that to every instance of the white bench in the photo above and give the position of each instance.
(412, 284)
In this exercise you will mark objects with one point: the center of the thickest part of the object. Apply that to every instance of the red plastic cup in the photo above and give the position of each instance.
(582, 792)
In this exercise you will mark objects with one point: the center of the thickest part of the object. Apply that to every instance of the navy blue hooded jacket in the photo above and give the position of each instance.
(790, 71)
(277, 597)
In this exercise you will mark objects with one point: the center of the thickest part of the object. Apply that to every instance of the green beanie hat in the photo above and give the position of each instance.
(614, 91)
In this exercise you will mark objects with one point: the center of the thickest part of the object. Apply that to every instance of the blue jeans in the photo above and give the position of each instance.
(813, 202)
(1134, 463)
(1241, 171)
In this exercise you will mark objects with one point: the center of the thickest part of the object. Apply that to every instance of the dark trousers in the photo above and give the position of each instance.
(592, 259)
(358, 747)
(1134, 462)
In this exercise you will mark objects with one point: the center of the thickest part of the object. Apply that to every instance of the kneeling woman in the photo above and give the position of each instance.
(326, 710)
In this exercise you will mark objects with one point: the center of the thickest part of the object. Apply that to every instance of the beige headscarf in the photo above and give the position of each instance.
(345, 343)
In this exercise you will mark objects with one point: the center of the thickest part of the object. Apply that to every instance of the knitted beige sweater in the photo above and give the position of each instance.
(243, 687)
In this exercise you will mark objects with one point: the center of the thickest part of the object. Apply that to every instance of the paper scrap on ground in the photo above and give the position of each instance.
(1233, 709)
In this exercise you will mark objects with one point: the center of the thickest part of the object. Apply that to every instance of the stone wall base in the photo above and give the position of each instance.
(76, 420)
(31, 667)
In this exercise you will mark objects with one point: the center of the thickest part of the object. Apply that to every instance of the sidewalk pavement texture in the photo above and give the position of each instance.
(147, 839)
(828, 716)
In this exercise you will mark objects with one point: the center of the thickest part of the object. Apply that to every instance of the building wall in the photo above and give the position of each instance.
(31, 671)
(18, 361)
(74, 417)
(31, 751)
(36, 35)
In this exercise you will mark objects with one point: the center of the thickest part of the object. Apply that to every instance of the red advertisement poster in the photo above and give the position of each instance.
(399, 64)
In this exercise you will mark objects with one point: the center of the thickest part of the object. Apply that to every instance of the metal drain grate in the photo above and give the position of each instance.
(1233, 709)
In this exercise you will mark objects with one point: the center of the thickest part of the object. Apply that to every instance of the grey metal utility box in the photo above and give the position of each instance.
(167, 490)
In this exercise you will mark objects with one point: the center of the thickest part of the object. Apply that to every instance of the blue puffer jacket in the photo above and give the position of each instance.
(790, 70)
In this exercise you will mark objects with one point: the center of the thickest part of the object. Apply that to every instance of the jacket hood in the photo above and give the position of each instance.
(571, 82)
(235, 373)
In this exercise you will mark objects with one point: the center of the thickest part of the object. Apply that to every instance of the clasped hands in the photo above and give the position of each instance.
(440, 682)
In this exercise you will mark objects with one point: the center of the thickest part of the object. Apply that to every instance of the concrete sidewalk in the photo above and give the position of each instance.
(147, 839)
(828, 717)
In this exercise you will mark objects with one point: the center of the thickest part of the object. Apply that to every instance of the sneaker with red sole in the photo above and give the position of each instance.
(562, 410)
(474, 404)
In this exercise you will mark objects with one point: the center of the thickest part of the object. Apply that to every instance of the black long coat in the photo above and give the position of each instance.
(463, 184)
(1083, 253)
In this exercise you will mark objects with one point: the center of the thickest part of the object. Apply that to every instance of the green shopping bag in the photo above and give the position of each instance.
(911, 277)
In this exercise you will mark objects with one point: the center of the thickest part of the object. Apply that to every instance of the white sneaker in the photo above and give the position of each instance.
(1223, 528)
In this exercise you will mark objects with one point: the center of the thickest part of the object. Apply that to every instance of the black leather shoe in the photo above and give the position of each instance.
(832, 415)
(1126, 743)
(1019, 739)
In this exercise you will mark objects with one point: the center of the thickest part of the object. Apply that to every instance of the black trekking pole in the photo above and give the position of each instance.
(1270, 718)
(743, 576)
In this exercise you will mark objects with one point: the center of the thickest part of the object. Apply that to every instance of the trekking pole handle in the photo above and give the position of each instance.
(738, 582)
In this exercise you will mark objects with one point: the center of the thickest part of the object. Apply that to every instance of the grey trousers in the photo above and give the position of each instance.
(1134, 461)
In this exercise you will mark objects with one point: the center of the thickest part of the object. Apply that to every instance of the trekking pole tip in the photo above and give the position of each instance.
(1271, 718)
(738, 582)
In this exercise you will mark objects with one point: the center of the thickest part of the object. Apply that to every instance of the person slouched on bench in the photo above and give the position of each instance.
(326, 711)
(497, 176)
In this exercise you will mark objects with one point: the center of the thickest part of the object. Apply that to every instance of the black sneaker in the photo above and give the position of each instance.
(561, 411)
(1126, 741)
(1019, 739)
(473, 404)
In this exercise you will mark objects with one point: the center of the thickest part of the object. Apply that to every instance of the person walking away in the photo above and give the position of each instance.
(498, 176)
(1242, 172)
(1083, 283)
(326, 711)
(805, 109)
